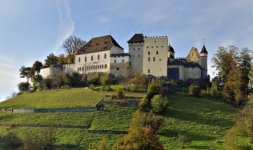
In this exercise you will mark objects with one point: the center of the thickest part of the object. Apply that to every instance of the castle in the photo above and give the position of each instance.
(147, 55)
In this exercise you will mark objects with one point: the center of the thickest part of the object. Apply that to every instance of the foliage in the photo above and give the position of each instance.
(154, 88)
(105, 79)
(194, 90)
(25, 72)
(141, 135)
(159, 104)
(101, 145)
(183, 139)
(51, 60)
(94, 78)
(37, 66)
(241, 135)
(139, 80)
(234, 67)
(23, 86)
(144, 104)
(215, 90)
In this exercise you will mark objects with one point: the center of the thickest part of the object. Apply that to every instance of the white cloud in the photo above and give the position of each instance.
(66, 24)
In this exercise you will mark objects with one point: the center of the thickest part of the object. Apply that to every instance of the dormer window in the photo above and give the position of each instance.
(91, 58)
(104, 56)
(98, 57)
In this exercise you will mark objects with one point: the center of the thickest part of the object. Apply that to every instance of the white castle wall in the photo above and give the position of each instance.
(155, 55)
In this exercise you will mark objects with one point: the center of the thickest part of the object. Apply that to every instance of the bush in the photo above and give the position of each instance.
(194, 90)
(159, 104)
(48, 83)
(120, 93)
(144, 104)
(23, 86)
(204, 93)
(154, 88)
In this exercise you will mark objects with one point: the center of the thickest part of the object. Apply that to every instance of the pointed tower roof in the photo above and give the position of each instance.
(203, 51)
(171, 49)
(137, 38)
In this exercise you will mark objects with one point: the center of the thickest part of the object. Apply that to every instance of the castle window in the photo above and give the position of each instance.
(117, 69)
(91, 58)
(148, 58)
(104, 56)
(148, 70)
(147, 47)
(151, 46)
(156, 52)
(138, 55)
(133, 48)
(156, 46)
(82, 68)
(79, 59)
(115, 61)
(161, 46)
(98, 57)
(153, 58)
(85, 59)
(148, 52)
(105, 66)
(122, 60)
(138, 49)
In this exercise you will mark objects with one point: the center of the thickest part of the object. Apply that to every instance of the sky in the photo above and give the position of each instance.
(31, 29)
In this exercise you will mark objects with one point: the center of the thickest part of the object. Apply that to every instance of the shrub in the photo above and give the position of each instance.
(159, 103)
(154, 88)
(48, 83)
(120, 93)
(144, 104)
(139, 80)
(23, 86)
(204, 93)
(194, 90)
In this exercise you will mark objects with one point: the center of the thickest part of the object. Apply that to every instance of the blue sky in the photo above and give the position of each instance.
(31, 29)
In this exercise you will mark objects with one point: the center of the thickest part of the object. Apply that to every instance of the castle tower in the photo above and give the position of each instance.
(171, 52)
(136, 45)
(203, 61)
(149, 55)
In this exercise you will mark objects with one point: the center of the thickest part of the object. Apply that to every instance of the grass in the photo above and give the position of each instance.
(77, 97)
(202, 121)
(66, 118)
(113, 118)
(205, 122)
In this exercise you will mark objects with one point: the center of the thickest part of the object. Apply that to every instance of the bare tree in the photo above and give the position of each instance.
(73, 44)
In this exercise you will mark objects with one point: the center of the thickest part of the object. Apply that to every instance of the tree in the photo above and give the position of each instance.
(142, 133)
(51, 59)
(25, 72)
(37, 66)
(234, 68)
(73, 44)
(225, 60)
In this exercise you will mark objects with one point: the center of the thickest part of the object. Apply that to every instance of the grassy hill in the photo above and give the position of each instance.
(77, 97)
(203, 121)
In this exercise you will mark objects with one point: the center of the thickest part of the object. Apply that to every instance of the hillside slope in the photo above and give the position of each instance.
(201, 120)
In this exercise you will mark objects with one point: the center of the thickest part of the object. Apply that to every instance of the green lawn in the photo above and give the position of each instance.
(113, 118)
(66, 118)
(205, 122)
(76, 97)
